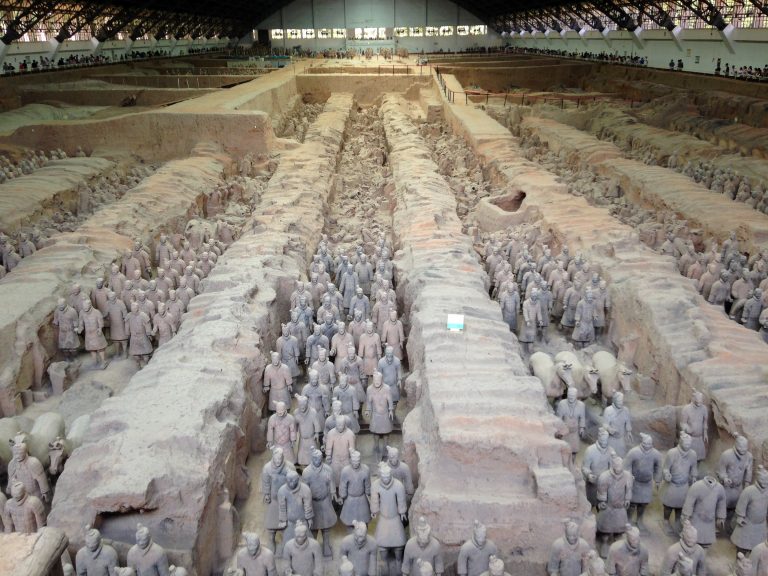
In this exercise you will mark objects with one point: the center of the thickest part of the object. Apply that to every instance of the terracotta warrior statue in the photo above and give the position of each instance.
(146, 557)
(685, 548)
(628, 556)
(28, 470)
(644, 463)
(355, 491)
(422, 547)
(734, 470)
(91, 321)
(277, 382)
(273, 477)
(339, 442)
(308, 430)
(751, 512)
(360, 549)
(350, 402)
(24, 512)
(618, 422)
(389, 507)
(380, 411)
(254, 559)
(303, 553)
(281, 431)
(116, 316)
(679, 471)
(319, 477)
(568, 553)
(572, 412)
(66, 319)
(391, 371)
(294, 504)
(705, 507)
(95, 558)
(139, 330)
(614, 494)
(694, 420)
(597, 459)
(369, 350)
(287, 346)
(475, 553)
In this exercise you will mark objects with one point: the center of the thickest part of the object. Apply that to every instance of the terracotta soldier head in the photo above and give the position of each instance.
(423, 532)
(341, 423)
(143, 537)
(355, 459)
(280, 409)
(252, 543)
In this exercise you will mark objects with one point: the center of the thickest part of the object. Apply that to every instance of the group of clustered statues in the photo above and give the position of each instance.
(139, 304)
(724, 275)
(28, 163)
(727, 278)
(535, 287)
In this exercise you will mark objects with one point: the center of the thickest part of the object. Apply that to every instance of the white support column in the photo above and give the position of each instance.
(727, 35)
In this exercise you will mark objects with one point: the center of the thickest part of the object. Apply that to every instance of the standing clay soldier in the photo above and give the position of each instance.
(116, 315)
(380, 411)
(146, 557)
(357, 326)
(66, 319)
(369, 350)
(751, 512)
(362, 303)
(338, 444)
(294, 504)
(423, 547)
(354, 491)
(510, 305)
(705, 507)
(307, 428)
(116, 279)
(315, 342)
(734, 470)
(392, 334)
(287, 346)
(570, 302)
(163, 325)
(475, 553)
(339, 344)
(24, 513)
(693, 420)
(572, 412)
(584, 330)
(400, 470)
(685, 548)
(277, 382)
(92, 322)
(319, 477)
(254, 559)
(303, 553)
(99, 297)
(273, 477)
(597, 459)
(753, 307)
(95, 558)
(679, 471)
(281, 431)
(360, 549)
(614, 494)
(618, 422)
(28, 470)
(352, 367)
(319, 398)
(389, 506)
(324, 368)
(531, 321)
(628, 556)
(568, 553)
(644, 463)
(139, 330)
(350, 403)
(347, 286)
(392, 374)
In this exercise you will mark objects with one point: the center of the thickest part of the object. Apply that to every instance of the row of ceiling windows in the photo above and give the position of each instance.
(377, 33)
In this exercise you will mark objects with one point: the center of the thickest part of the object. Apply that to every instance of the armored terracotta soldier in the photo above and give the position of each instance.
(128, 295)
(154, 295)
(381, 312)
(734, 470)
(618, 422)
(531, 321)
(380, 411)
(95, 558)
(392, 334)
(163, 251)
(281, 431)
(628, 556)
(751, 512)
(116, 279)
(24, 512)
(254, 559)
(117, 315)
(391, 371)
(350, 404)
(129, 264)
(193, 280)
(679, 471)
(369, 350)
(324, 368)
(287, 346)
(422, 547)
(175, 308)
(316, 291)
(759, 559)
(352, 367)
(348, 284)
(319, 397)
(597, 459)
(300, 331)
(315, 342)
(570, 302)
(355, 491)
(360, 549)
(614, 494)
(294, 504)
(572, 412)
(146, 557)
(28, 470)
(338, 444)
(163, 325)
(303, 554)
(277, 382)
(694, 421)
(584, 329)
(273, 477)
(475, 553)
(328, 328)
(400, 470)
(360, 302)
(139, 330)
(644, 463)
(687, 547)
(92, 322)
(705, 507)
(510, 305)
(318, 476)
(307, 429)
(66, 319)
(328, 306)
(389, 507)
(139, 283)
(339, 343)
(184, 292)
(753, 308)
(357, 326)
(146, 306)
(100, 296)
(568, 553)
